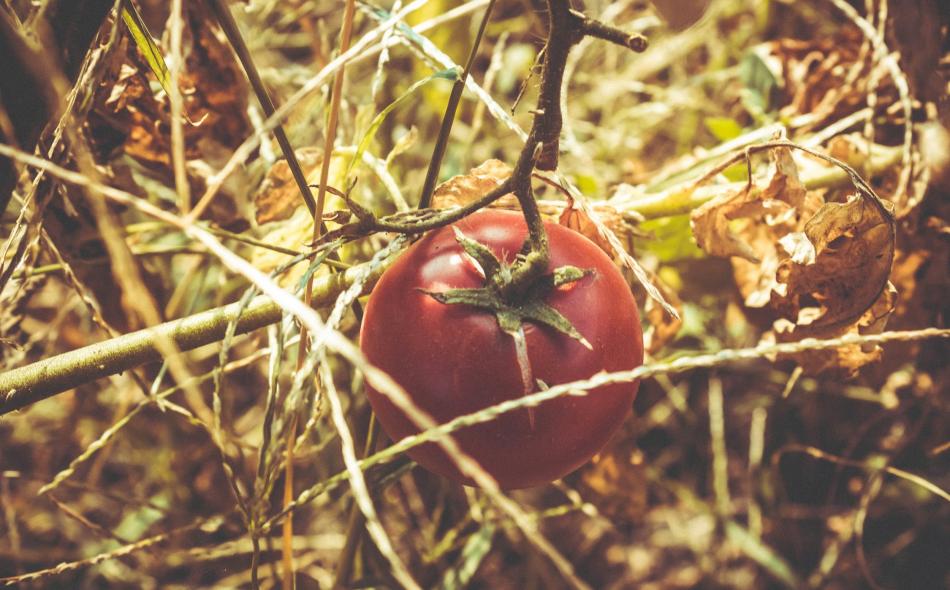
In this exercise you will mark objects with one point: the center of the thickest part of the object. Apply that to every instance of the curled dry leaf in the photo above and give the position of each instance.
(129, 114)
(764, 213)
(847, 360)
(663, 326)
(278, 197)
(826, 78)
(279, 207)
(841, 261)
(578, 220)
(820, 267)
(465, 188)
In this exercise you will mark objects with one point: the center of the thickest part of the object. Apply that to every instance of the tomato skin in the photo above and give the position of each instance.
(454, 359)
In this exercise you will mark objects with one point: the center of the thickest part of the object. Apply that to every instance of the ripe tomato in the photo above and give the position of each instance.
(453, 359)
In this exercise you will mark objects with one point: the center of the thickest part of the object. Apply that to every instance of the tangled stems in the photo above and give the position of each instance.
(26, 385)
(566, 28)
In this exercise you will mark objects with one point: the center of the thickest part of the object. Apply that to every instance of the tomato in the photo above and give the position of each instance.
(453, 359)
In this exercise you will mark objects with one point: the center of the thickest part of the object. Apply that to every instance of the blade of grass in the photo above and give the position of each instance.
(146, 44)
(226, 20)
(438, 152)
(367, 139)
(346, 33)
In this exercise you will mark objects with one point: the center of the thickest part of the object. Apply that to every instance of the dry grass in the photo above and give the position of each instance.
(736, 471)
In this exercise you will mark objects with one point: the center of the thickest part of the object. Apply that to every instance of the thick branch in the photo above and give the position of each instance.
(26, 385)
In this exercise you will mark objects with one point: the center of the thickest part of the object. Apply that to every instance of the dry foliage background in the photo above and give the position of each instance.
(822, 468)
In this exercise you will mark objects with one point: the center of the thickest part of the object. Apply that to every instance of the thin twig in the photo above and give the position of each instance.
(23, 386)
(442, 141)
(176, 102)
(208, 525)
(226, 19)
(355, 522)
(583, 387)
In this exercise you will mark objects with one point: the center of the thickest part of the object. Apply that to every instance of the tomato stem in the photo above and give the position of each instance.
(566, 28)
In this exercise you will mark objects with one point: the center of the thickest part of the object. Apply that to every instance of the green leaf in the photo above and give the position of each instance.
(450, 74)
(737, 172)
(146, 44)
(723, 128)
(670, 239)
(586, 184)
(762, 78)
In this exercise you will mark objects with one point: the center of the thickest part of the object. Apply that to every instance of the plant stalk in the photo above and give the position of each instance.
(438, 153)
(43, 379)
(226, 20)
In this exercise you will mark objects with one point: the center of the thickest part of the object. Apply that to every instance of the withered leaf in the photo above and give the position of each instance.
(663, 326)
(766, 214)
(847, 264)
(577, 219)
(710, 223)
(819, 267)
(843, 361)
(278, 204)
(465, 188)
(279, 196)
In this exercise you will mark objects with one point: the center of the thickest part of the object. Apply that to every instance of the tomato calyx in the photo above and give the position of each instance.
(513, 308)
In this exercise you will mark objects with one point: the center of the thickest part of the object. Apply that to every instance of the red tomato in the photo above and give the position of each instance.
(453, 359)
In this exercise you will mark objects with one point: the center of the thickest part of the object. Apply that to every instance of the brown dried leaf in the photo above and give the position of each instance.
(819, 267)
(278, 196)
(710, 223)
(765, 214)
(465, 188)
(278, 204)
(293, 232)
(841, 261)
(822, 77)
(663, 326)
(577, 219)
(213, 78)
(843, 362)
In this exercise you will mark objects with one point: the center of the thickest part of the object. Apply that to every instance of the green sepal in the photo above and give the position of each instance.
(511, 316)
(561, 276)
(509, 321)
(480, 253)
(480, 298)
(542, 313)
(564, 275)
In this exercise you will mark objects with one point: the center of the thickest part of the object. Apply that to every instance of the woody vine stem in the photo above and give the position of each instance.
(566, 28)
